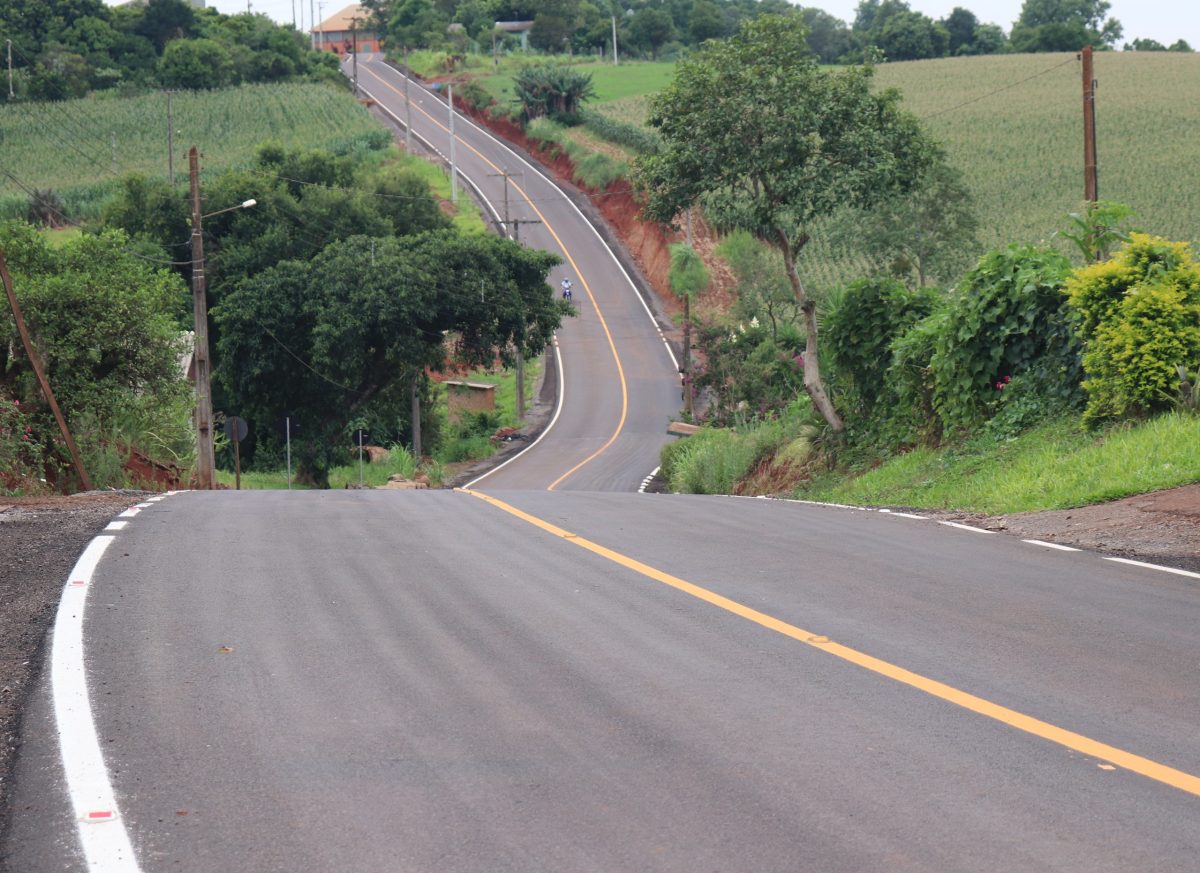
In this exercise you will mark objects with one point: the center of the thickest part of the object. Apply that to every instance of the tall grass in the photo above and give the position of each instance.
(1056, 466)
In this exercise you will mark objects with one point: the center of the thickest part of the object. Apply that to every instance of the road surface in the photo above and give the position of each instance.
(383, 681)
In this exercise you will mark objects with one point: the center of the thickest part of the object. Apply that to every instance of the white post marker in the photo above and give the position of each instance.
(102, 835)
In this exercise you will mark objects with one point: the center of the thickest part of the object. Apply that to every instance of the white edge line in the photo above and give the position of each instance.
(556, 187)
(1174, 570)
(1047, 545)
(910, 515)
(105, 842)
(116, 525)
(965, 527)
(562, 390)
(647, 480)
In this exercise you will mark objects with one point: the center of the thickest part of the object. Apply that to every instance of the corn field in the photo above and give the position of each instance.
(80, 148)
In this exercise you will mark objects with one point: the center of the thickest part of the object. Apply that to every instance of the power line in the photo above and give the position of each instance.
(999, 90)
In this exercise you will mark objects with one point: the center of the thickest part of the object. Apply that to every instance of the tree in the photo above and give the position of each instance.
(340, 336)
(1064, 26)
(911, 36)
(1180, 45)
(650, 28)
(960, 24)
(1144, 45)
(705, 21)
(828, 37)
(773, 144)
(929, 233)
(196, 64)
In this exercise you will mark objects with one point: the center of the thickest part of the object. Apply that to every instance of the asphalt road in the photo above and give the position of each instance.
(620, 382)
(419, 681)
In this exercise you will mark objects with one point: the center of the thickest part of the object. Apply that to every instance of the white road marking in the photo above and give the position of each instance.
(646, 482)
(1061, 548)
(102, 834)
(1177, 572)
(910, 515)
(965, 527)
(130, 512)
(116, 525)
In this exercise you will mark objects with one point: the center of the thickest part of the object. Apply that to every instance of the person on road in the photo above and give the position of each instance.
(566, 290)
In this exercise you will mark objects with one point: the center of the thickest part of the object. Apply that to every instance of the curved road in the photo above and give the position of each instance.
(507, 679)
(620, 382)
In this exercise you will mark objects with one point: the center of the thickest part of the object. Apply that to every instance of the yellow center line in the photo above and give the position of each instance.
(586, 287)
(1186, 782)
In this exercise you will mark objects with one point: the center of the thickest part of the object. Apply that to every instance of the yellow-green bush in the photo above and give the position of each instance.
(1139, 319)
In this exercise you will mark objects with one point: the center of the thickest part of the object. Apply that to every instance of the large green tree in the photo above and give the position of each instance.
(773, 144)
(1064, 26)
(344, 336)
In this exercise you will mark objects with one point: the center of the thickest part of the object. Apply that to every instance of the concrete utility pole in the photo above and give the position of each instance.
(614, 29)
(10, 87)
(354, 53)
(515, 233)
(312, 24)
(407, 105)
(688, 401)
(39, 373)
(205, 459)
(293, 14)
(453, 162)
(1091, 171)
(170, 141)
(416, 415)
(321, 21)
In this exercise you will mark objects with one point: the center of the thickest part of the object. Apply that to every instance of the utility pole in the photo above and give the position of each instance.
(293, 14)
(688, 402)
(453, 139)
(516, 226)
(321, 16)
(407, 105)
(10, 87)
(495, 60)
(312, 24)
(170, 141)
(43, 383)
(416, 416)
(1091, 173)
(354, 53)
(205, 460)
(114, 152)
(614, 28)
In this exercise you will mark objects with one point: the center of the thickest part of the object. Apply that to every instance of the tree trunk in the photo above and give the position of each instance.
(812, 363)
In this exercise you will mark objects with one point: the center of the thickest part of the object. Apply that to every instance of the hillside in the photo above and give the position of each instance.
(1013, 125)
(80, 148)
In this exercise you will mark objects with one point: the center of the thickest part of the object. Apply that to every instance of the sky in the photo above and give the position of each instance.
(1163, 20)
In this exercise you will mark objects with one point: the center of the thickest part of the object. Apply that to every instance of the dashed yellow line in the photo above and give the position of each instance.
(1178, 779)
(586, 287)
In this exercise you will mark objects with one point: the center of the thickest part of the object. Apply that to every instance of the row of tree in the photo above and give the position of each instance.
(66, 48)
(663, 27)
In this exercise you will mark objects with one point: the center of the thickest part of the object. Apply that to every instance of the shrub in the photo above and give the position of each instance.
(860, 328)
(1139, 319)
(748, 372)
(910, 377)
(551, 89)
(1007, 314)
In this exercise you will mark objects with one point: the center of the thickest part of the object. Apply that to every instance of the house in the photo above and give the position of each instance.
(336, 33)
(521, 28)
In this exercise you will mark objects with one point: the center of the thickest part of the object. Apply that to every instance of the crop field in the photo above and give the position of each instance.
(80, 148)
(1014, 125)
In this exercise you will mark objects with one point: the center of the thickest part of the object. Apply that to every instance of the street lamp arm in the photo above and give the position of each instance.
(246, 204)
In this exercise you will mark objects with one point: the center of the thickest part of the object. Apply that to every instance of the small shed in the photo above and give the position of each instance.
(520, 28)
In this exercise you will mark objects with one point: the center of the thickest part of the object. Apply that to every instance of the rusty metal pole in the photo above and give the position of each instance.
(1091, 180)
(205, 459)
(43, 383)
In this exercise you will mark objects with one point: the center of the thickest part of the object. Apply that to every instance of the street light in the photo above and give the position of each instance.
(205, 457)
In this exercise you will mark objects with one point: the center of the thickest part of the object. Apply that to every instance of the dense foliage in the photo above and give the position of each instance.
(66, 48)
(1139, 318)
(103, 322)
(346, 335)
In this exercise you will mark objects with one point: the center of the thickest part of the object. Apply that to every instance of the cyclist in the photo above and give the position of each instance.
(566, 290)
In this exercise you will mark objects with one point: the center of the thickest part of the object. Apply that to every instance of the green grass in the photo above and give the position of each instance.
(80, 148)
(399, 461)
(1055, 466)
(466, 215)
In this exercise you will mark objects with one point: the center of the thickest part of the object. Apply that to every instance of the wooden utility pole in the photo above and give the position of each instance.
(205, 458)
(1091, 172)
(43, 383)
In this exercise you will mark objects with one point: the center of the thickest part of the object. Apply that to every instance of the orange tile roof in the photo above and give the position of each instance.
(341, 22)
